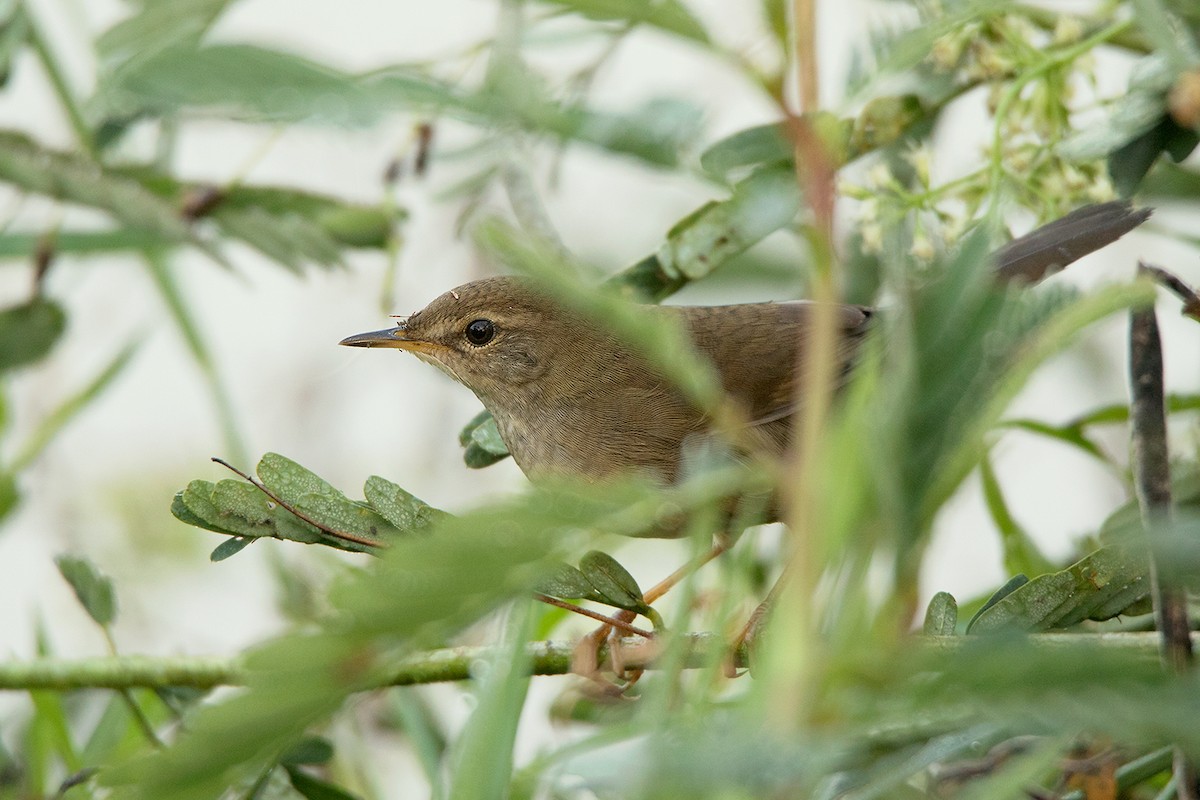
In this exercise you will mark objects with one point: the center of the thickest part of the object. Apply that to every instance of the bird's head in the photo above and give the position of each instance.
(492, 335)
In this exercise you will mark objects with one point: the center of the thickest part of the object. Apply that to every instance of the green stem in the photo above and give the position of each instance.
(1054, 61)
(1047, 19)
(159, 270)
(135, 710)
(58, 81)
(455, 663)
(61, 416)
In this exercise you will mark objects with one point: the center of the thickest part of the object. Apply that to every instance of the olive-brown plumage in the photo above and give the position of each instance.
(571, 399)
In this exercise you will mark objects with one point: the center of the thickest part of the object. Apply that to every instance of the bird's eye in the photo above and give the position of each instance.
(480, 332)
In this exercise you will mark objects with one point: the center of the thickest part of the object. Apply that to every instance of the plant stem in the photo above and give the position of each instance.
(1152, 476)
(454, 663)
(58, 81)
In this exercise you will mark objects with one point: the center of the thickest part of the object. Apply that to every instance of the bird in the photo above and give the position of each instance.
(571, 399)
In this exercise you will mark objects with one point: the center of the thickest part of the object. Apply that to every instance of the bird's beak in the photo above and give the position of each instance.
(389, 337)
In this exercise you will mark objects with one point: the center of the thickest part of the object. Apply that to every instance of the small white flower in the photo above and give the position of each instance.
(869, 210)
(879, 176)
(921, 248)
(920, 161)
(872, 237)
(1068, 30)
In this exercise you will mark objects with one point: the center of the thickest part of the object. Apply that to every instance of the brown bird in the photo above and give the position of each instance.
(571, 399)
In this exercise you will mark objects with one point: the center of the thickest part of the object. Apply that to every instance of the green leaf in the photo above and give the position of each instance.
(71, 407)
(293, 227)
(28, 331)
(1119, 412)
(775, 14)
(1098, 587)
(612, 582)
(422, 590)
(401, 509)
(116, 734)
(238, 509)
(483, 755)
(941, 616)
(1059, 326)
(259, 84)
(309, 750)
(1130, 162)
(1168, 181)
(669, 16)
(1073, 432)
(1139, 110)
(226, 549)
(315, 788)
(93, 589)
(568, 583)
(320, 502)
(1021, 555)
(481, 439)
(156, 25)
(760, 145)
(236, 80)
(759, 205)
(656, 132)
(14, 35)
(1070, 434)
(75, 179)
(1010, 586)
(9, 495)
(1167, 35)
(290, 240)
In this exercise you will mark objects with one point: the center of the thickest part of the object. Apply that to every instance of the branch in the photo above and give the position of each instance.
(1191, 300)
(1152, 476)
(454, 663)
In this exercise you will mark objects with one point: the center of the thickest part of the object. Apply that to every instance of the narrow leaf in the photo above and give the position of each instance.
(72, 178)
(1021, 555)
(314, 788)
(71, 407)
(9, 495)
(320, 502)
(228, 548)
(567, 583)
(93, 589)
(1098, 587)
(941, 616)
(670, 16)
(612, 581)
(398, 507)
(309, 750)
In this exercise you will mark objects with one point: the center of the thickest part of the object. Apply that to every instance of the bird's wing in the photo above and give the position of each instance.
(1048, 249)
(759, 350)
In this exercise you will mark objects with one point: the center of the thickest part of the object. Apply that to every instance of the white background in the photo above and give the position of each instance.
(103, 488)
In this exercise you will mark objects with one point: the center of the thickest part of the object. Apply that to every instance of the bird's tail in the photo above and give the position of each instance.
(1046, 250)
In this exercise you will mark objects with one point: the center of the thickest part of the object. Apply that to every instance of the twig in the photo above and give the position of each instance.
(612, 622)
(343, 535)
(1152, 476)
(454, 664)
(1191, 300)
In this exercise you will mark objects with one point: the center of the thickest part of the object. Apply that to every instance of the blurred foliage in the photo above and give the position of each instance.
(845, 700)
